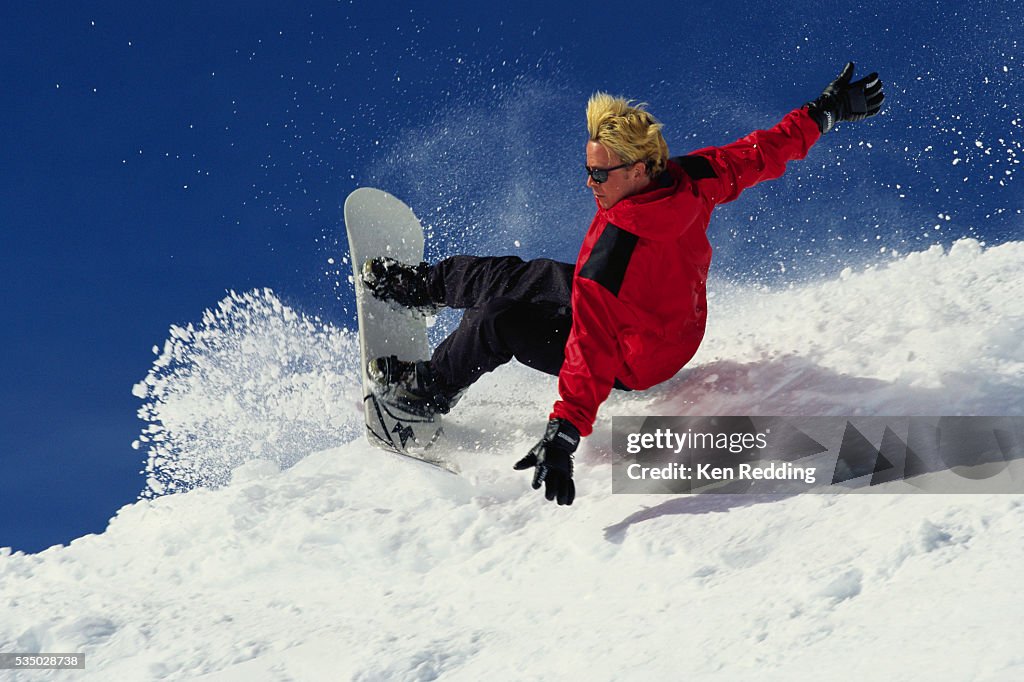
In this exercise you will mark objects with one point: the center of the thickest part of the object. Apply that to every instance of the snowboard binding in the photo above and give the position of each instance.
(401, 284)
(412, 386)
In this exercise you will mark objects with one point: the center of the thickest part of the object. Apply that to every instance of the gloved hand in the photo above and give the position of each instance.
(846, 101)
(552, 461)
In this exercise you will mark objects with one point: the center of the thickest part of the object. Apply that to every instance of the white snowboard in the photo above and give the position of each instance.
(378, 224)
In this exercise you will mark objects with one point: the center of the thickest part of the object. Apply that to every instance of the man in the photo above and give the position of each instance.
(631, 311)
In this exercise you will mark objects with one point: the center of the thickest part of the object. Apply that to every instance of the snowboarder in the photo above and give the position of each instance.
(631, 311)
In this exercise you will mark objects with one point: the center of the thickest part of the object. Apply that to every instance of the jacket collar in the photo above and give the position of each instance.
(648, 213)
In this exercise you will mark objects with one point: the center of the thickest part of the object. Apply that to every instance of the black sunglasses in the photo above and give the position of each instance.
(600, 175)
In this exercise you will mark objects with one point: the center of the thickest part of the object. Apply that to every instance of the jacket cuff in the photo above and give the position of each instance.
(822, 117)
(574, 417)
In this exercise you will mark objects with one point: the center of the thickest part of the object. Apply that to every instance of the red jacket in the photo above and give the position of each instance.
(639, 303)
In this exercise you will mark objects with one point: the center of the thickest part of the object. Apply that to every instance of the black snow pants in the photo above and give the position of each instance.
(513, 309)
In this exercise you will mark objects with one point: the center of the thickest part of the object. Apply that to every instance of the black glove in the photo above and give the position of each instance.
(552, 459)
(846, 101)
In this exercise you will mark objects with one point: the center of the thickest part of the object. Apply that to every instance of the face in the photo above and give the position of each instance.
(620, 183)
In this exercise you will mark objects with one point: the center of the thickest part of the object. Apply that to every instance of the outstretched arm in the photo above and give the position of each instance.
(763, 154)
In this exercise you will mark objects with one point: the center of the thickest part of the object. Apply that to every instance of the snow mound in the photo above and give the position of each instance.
(294, 550)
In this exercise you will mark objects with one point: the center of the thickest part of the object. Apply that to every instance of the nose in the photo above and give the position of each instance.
(590, 182)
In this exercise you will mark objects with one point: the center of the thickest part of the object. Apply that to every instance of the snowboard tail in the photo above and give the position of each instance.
(392, 428)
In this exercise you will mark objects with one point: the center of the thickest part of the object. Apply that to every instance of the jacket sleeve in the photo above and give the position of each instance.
(591, 356)
(761, 155)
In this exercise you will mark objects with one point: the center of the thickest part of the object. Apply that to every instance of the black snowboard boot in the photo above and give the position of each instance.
(406, 285)
(413, 386)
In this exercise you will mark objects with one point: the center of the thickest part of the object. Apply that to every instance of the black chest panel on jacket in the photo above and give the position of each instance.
(610, 257)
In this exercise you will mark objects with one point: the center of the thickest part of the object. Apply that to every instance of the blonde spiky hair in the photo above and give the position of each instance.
(628, 130)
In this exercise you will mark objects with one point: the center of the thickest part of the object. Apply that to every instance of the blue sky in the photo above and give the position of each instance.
(158, 155)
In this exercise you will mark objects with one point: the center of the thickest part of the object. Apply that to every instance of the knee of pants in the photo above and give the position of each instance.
(491, 323)
(535, 335)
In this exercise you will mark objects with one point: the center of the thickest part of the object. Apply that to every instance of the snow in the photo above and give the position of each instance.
(301, 553)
